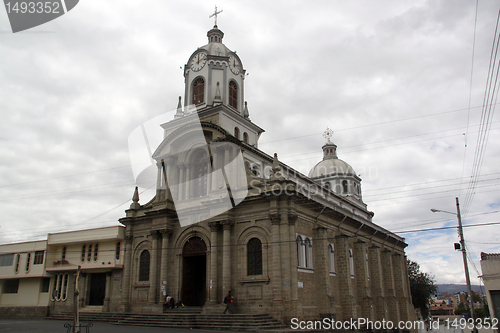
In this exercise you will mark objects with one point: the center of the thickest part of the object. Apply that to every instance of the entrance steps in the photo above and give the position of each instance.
(184, 318)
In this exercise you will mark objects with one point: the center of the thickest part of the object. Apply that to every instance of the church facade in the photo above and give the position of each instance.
(228, 216)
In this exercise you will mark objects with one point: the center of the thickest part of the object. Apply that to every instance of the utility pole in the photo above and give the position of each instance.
(76, 319)
(470, 299)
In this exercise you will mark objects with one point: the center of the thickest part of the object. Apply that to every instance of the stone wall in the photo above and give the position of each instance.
(24, 311)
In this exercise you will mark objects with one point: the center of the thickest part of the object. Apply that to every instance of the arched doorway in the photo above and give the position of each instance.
(194, 272)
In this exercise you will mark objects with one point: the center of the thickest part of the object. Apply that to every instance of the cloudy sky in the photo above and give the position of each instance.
(392, 79)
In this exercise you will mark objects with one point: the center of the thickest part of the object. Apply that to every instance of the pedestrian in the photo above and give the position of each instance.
(228, 300)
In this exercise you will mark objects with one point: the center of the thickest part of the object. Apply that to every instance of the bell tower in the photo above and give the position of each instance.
(214, 75)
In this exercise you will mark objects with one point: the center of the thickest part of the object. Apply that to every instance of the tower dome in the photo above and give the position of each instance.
(336, 174)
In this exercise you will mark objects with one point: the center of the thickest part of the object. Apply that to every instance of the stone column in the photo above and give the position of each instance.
(363, 295)
(376, 283)
(181, 182)
(226, 257)
(321, 266)
(169, 172)
(292, 218)
(398, 262)
(165, 234)
(276, 263)
(214, 227)
(107, 292)
(345, 281)
(153, 271)
(188, 181)
(389, 291)
(127, 272)
(215, 179)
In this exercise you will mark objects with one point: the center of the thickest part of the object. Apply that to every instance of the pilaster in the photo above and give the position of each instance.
(152, 298)
(226, 256)
(165, 235)
(127, 271)
(214, 228)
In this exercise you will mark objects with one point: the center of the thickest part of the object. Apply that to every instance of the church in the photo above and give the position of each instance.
(226, 217)
(229, 217)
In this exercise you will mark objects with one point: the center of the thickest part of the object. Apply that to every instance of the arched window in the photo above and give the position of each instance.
(144, 266)
(200, 171)
(308, 250)
(198, 91)
(331, 258)
(237, 133)
(117, 254)
(367, 267)
(63, 257)
(301, 260)
(233, 94)
(89, 253)
(254, 256)
(351, 262)
(345, 188)
(245, 137)
(83, 253)
(96, 251)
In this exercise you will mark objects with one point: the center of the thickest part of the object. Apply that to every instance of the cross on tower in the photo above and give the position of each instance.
(215, 14)
(328, 134)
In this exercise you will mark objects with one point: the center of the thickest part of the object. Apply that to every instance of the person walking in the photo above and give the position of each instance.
(228, 300)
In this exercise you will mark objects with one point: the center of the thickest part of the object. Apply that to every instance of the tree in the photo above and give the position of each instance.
(421, 286)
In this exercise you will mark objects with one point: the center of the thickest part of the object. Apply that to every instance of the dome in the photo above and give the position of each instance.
(331, 167)
(331, 164)
(215, 46)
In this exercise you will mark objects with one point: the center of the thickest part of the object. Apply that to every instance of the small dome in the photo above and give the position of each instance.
(215, 46)
(331, 164)
(331, 167)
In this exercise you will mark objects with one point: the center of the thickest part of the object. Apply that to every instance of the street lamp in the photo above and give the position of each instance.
(470, 300)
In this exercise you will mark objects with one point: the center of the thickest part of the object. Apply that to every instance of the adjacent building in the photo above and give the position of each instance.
(490, 267)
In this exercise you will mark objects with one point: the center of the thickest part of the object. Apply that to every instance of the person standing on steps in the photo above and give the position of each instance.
(229, 302)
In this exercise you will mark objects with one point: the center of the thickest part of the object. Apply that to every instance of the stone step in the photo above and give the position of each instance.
(184, 319)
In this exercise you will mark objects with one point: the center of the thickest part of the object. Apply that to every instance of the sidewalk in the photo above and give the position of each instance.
(55, 326)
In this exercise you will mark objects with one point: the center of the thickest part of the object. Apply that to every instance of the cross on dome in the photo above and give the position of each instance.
(328, 134)
(215, 14)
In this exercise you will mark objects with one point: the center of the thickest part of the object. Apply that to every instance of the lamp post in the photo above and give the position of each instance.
(470, 300)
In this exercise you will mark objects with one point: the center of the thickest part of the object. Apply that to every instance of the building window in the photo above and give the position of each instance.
(351, 262)
(117, 254)
(304, 251)
(345, 188)
(308, 246)
(367, 267)
(200, 165)
(254, 256)
(38, 258)
(18, 262)
(96, 251)
(245, 137)
(237, 133)
(45, 285)
(144, 266)
(11, 286)
(233, 94)
(331, 257)
(300, 253)
(83, 253)
(89, 253)
(327, 186)
(63, 257)
(61, 282)
(28, 262)
(198, 91)
(7, 259)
